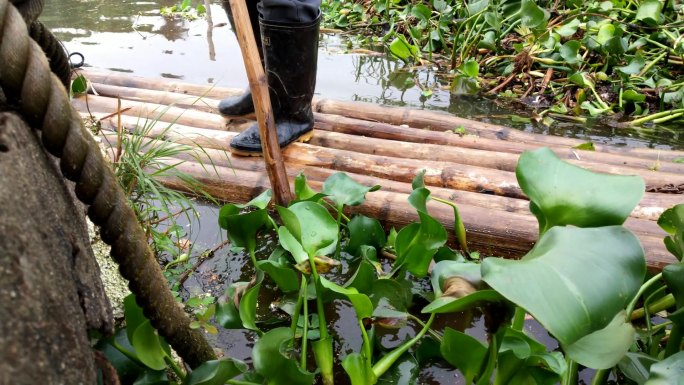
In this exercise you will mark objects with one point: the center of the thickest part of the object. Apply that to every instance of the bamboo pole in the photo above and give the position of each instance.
(390, 115)
(651, 205)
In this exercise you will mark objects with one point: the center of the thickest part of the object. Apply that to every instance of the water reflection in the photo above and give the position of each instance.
(135, 38)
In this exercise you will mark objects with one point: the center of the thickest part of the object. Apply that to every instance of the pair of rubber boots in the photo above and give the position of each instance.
(290, 53)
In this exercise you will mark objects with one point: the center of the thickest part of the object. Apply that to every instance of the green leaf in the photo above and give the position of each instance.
(470, 68)
(280, 271)
(649, 12)
(569, 28)
(227, 314)
(581, 79)
(243, 228)
(672, 221)
(439, 5)
(603, 348)
(668, 371)
(358, 369)
(302, 190)
(365, 231)
(464, 85)
(475, 7)
(402, 49)
(362, 304)
(272, 361)
(291, 244)
(588, 146)
(605, 33)
(248, 303)
(531, 15)
(390, 299)
(570, 52)
(153, 378)
(574, 281)
(364, 276)
(215, 372)
(636, 366)
(343, 190)
(634, 67)
(261, 201)
(79, 85)
(563, 194)
(404, 371)
(633, 96)
(148, 346)
(421, 12)
(453, 302)
(464, 352)
(313, 227)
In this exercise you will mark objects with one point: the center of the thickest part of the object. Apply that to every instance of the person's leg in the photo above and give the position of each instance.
(289, 31)
(242, 105)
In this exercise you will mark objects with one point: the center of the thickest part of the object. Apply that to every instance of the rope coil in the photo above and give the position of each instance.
(29, 85)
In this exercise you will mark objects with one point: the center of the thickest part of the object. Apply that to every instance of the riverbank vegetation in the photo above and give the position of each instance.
(620, 60)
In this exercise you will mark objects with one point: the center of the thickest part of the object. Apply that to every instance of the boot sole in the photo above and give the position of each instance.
(302, 139)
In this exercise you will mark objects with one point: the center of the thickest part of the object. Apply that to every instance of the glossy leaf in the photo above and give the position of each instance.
(302, 190)
(361, 302)
(574, 281)
(471, 68)
(603, 348)
(523, 360)
(79, 85)
(227, 314)
(668, 371)
(531, 15)
(358, 370)
(248, 303)
(402, 49)
(563, 194)
(215, 372)
(291, 244)
(243, 228)
(672, 221)
(280, 271)
(153, 378)
(364, 277)
(570, 51)
(453, 302)
(636, 366)
(464, 352)
(149, 347)
(365, 231)
(649, 12)
(343, 190)
(272, 362)
(312, 226)
(634, 67)
(674, 277)
(569, 28)
(403, 372)
(390, 299)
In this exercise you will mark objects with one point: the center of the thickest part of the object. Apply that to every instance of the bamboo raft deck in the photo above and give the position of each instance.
(386, 146)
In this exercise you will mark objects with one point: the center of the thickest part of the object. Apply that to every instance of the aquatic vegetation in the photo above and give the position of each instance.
(617, 59)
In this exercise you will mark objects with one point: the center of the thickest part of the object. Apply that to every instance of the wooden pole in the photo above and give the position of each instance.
(275, 165)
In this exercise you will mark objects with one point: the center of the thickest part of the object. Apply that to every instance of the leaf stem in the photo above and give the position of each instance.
(305, 333)
(600, 377)
(661, 304)
(518, 319)
(570, 377)
(642, 289)
(174, 366)
(390, 358)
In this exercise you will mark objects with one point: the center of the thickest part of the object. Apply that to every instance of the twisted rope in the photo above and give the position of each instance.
(29, 85)
(53, 49)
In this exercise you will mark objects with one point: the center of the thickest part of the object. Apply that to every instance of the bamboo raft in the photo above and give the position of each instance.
(386, 146)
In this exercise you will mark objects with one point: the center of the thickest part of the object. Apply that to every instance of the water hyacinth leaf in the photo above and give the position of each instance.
(581, 79)
(475, 7)
(358, 370)
(365, 231)
(672, 221)
(215, 372)
(649, 12)
(133, 314)
(291, 244)
(464, 85)
(403, 372)
(418, 242)
(551, 281)
(439, 5)
(390, 299)
(227, 314)
(362, 304)
(280, 271)
(79, 85)
(570, 51)
(261, 201)
(455, 285)
(667, 371)
(402, 49)
(148, 346)
(674, 277)
(153, 378)
(323, 355)
(464, 352)
(303, 192)
(470, 68)
(248, 303)
(272, 362)
(605, 33)
(603, 348)
(636, 366)
(492, 19)
(364, 277)
(563, 194)
(421, 12)
(634, 67)
(532, 15)
(569, 28)
(312, 226)
(633, 96)
(343, 190)
(243, 228)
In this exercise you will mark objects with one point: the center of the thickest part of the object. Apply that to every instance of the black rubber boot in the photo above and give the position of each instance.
(290, 57)
(242, 105)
